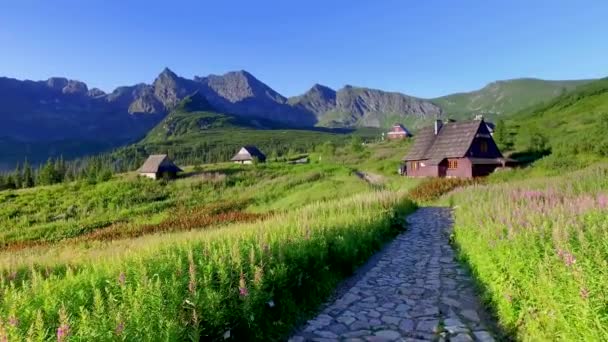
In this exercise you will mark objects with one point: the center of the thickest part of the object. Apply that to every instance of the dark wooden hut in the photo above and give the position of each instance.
(453, 149)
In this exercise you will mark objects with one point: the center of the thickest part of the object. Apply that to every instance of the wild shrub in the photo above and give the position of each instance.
(433, 188)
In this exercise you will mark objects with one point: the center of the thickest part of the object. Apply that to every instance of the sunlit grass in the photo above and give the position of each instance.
(539, 249)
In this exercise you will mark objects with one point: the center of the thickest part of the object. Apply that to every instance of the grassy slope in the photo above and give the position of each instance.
(319, 221)
(541, 254)
(504, 97)
(567, 118)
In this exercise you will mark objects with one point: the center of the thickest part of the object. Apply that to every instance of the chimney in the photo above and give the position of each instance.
(438, 125)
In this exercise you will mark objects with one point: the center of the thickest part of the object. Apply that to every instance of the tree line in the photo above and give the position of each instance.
(54, 171)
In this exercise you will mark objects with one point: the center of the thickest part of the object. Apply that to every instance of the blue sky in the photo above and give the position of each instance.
(423, 48)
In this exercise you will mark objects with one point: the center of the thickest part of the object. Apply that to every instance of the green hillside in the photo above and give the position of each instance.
(194, 133)
(572, 124)
(504, 97)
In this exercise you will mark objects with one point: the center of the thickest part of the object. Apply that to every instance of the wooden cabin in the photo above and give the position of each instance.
(398, 132)
(247, 154)
(158, 166)
(453, 149)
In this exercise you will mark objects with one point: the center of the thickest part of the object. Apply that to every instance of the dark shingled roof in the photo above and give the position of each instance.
(453, 141)
(158, 163)
(249, 153)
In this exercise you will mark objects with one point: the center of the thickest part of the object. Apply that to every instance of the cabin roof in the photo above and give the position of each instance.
(248, 152)
(401, 128)
(158, 163)
(452, 141)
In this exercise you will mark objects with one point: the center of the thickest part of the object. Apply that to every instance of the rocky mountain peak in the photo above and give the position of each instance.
(57, 83)
(323, 90)
(236, 86)
(75, 87)
(170, 88)
(96, 92)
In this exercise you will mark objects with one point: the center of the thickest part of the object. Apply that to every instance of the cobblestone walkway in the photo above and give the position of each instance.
(416, 291)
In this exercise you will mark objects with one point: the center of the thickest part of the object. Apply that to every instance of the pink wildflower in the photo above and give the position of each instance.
(602, 201)
(119, 328)
(62, 332)
(192, 274)
(569, 259)
(243, 291)
(13, 321)
(122, 278)
(584, 293)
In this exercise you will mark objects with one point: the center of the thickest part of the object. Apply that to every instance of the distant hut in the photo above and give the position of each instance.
(157, 166)
(398, 132)
(247, 154)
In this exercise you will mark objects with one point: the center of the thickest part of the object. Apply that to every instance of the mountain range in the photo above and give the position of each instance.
(60, 112)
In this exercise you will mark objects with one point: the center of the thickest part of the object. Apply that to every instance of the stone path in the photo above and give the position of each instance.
(415, 292)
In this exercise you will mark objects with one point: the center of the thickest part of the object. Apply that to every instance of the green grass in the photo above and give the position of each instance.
(504, 97)
(573, 126)
(252, 250)
(68, 210)
(538, 249)
(254, 280)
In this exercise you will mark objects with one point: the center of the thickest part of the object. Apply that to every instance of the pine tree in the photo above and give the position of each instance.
(47, 174)
(28, 176)
(17, 177)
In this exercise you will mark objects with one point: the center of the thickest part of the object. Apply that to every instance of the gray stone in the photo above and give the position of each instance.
(390, 319)
(389, 334)
(483, 336)
(427, 326)
(470, 315)
(338, 328)
(461, 338)
(345, 319)
(406, 325)
(359, 324)
(373, 314)
(357, 333)
(326, 334)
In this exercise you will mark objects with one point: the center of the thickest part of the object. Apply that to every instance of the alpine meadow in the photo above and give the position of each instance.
(323, 171)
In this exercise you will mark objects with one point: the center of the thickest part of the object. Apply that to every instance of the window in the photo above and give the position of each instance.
(414, 165)
(452, 164)
(483, 146)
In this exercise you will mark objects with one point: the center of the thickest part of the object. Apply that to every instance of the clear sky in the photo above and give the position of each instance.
(422, 48)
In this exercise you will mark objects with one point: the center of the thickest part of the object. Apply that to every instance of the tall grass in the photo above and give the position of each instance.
(246, 281)
(539, 247)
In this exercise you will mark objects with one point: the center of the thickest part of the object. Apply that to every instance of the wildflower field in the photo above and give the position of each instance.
(228, 252)
(539, 249)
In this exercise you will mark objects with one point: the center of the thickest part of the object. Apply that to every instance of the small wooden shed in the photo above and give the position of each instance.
(158, 166)
(247, 154)
(398, 131)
